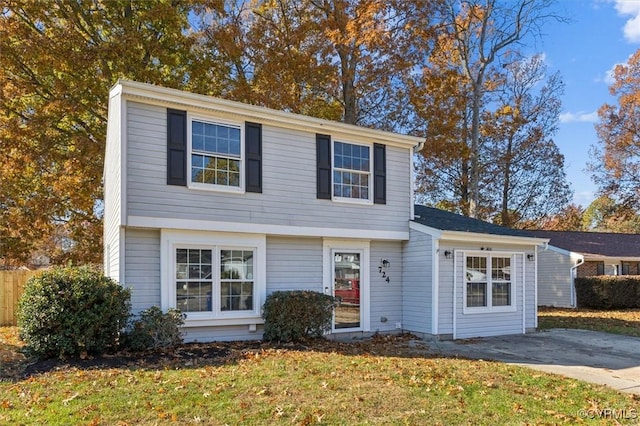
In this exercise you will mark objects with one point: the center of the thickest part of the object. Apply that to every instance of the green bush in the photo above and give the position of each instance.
(608, 292)
(154, 330)
(71, 311)
(296, 315)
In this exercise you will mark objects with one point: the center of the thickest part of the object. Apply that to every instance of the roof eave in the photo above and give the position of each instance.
(149, 92)
(464, 236)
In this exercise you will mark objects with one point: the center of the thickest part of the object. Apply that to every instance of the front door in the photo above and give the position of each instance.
(346, 289)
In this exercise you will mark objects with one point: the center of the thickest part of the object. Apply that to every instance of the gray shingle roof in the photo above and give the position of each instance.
(447, 221)
(598, 243)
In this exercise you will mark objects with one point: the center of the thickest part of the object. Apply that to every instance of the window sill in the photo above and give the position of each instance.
(354, 201)
(490, 310)
(211, 321)
(215, 188)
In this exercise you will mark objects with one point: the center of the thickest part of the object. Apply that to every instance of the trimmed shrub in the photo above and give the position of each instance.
(296, 315)
(154, 330)
(71, 311)
(608, 292)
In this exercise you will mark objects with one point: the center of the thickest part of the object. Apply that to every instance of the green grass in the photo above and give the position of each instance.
(625, 322)
(385, 381)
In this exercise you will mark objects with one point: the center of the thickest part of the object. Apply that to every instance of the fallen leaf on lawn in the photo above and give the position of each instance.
(71, 398)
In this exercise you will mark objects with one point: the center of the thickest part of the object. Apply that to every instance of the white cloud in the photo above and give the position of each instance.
(608, 75)
(584, 198)
(579, 117)
(630, 8)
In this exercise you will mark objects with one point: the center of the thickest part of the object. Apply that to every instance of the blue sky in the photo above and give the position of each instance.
(601, 34)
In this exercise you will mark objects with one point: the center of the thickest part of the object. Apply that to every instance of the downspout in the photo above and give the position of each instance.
(573, 273)
(524, 295)
(535, 286)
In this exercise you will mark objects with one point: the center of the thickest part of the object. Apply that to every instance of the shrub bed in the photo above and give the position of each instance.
(72, 311)
(296, 315)
(154, 330)
(608, 292)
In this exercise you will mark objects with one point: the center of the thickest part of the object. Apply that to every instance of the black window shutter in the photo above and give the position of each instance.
(323, 162)
(253, 157)
(379, 174)
(176, 147)
(600, 268)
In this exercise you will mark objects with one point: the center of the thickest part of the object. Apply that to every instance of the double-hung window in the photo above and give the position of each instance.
(216, 155)
(215, 278)
(488, 283)
(351, 171)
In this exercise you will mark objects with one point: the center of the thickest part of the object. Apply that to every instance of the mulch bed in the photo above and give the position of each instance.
(18, 366)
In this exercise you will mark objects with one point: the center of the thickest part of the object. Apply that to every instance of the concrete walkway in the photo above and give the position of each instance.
(602, 358)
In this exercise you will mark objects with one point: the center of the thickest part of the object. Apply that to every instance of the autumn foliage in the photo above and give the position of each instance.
(420, 67)
(616, 161)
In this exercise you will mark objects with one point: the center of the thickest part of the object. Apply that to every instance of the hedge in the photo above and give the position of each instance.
(608, 292)
(296, 315)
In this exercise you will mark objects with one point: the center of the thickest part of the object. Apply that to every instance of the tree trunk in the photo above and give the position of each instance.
(474, 187)
(506, 184)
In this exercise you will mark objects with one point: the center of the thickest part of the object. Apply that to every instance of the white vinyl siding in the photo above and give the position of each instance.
(294, 264)
(142, 251)
(554, 278)
(417, 283)
(386, 297)
(113, 192)
(287, 199)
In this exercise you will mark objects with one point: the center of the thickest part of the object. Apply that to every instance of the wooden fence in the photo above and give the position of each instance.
(11, 287)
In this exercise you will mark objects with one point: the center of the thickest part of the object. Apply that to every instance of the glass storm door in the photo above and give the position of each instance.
(346, 289)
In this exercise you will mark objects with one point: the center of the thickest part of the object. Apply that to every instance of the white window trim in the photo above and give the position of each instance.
(170, 240)
(360, 201)
(208, 186)
(514, 279)
(329, 246)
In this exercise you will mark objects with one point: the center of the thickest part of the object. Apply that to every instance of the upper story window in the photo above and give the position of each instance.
(351, 171)
(210, 154)
(216, 155)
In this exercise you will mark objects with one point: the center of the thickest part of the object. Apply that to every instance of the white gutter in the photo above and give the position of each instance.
(524, 296)
(573, 273)
(535, 285)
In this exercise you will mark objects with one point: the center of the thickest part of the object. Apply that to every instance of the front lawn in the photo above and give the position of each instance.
(388, 380)
(620, 322)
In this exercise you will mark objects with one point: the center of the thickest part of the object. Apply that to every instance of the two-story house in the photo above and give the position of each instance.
(210, 205)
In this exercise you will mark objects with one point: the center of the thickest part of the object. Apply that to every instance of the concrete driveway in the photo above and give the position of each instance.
(595, 357)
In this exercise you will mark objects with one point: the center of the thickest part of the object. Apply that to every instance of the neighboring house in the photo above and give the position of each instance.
(210, 205)
(465, 278)
(582, 254)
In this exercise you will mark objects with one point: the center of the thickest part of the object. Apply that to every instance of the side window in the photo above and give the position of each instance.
(488, 282)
